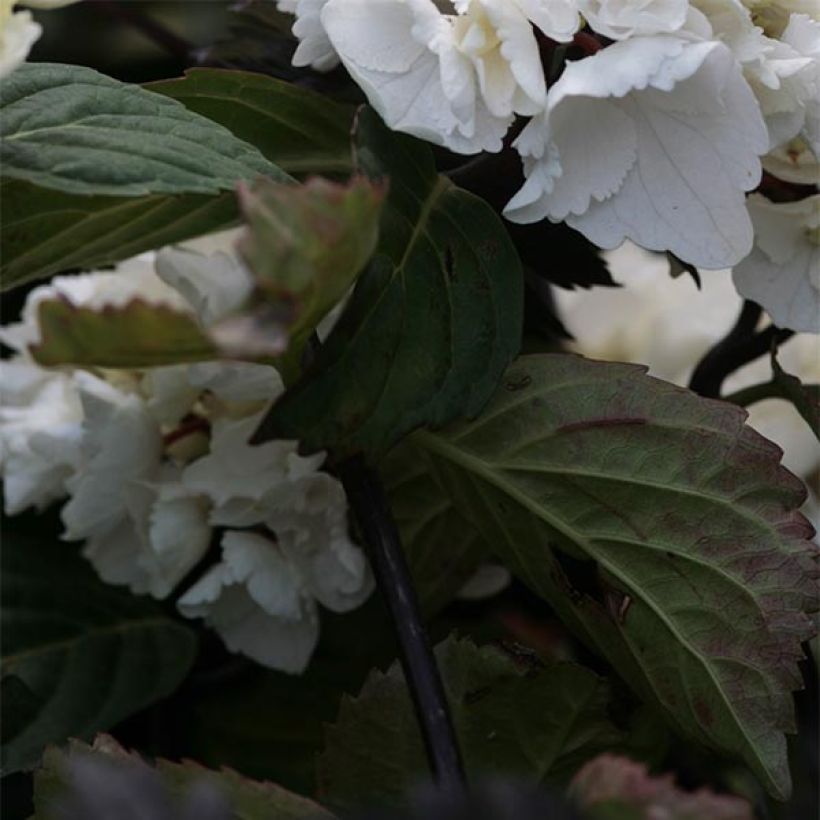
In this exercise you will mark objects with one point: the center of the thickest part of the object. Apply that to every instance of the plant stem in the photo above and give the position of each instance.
(755, 393)
(370, 506)
(739, 347)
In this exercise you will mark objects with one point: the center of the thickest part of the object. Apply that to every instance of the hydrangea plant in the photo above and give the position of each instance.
(373, 413)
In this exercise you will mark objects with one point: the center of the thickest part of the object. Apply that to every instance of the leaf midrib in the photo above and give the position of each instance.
(477, 467)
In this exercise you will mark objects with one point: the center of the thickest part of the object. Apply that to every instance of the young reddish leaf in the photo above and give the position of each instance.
(616, 788)
(307, 244)
(705, 577)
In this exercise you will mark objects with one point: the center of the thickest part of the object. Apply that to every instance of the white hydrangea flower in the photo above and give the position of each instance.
(403, 55)
(675, 145)
(314, 49)
(794, 161)
(782, 273)
(782, 76)
(121, 447)
(669, 324)
(40, 433)
(453, 74)
(773, 15)
(208, 273)
(163, 537)
(261, 598)
(618, 19)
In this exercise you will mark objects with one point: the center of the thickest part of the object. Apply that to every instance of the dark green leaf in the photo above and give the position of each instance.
(539, 722)
(71, 129)
(137, 334)
(301, 131)
(433, 321)
(89, 654)
(248, 799)
(44, 232)
(442, 549)
(661, 528)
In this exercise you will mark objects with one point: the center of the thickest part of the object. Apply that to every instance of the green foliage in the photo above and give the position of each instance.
(298, 129)
(71, 129)
(306, 244)
(434, 320)
(688, 565)
(534, 720)
(248, 799)
(137, 334)
(441, 547)
(49, 227)
(78, 655)
(44, 232)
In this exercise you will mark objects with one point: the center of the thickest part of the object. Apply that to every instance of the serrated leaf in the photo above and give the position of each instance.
(616, 788)
(71, 129)
(301, 131)
(539, 722)
(248, 799)
(136, 334)
(44, 232)
(89, 655)
(306, 244)
(432, 323)
(705, 574)
(442, 549)
(804, 397)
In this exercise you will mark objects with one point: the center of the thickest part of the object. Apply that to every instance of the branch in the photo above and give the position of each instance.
(739, 347)
(369, 504)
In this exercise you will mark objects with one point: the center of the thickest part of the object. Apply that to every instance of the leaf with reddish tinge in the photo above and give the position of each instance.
(137, 334)
(661, 528)
(616, 788)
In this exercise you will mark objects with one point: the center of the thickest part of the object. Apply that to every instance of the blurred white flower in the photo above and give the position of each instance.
(40, 433)
(668, 324)
(782, 273)
(675, 146)
(18, 33)
(164, 535)
(121, 447)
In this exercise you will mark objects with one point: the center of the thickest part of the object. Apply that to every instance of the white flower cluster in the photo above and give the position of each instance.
(655, 135)
(156, 466)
